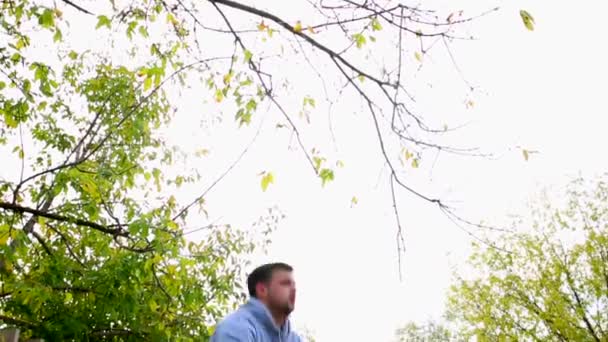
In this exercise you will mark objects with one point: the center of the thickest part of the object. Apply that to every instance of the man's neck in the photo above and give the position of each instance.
(278, 318)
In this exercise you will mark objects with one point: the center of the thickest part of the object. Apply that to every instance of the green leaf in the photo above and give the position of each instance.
(47, 18)
(376, 26)
(527, 19)
(147, 83)
(359, 40)
(309, 101)
(326, 175)
(267, 179)
(248, 56)
(102, 21)
(73, 55)
(58, 36)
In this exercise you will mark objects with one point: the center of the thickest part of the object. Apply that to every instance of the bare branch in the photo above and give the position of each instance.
(77, 221)
(70, 3)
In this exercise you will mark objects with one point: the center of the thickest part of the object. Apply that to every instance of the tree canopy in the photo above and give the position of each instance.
(549, 281)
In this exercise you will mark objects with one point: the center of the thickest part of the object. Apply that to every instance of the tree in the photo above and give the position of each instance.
(428, 332)
(93, 240)
(548, 283)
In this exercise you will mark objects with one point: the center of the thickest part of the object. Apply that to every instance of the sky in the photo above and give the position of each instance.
(540, 90)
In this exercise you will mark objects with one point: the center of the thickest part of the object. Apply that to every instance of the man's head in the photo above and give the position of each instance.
(273, 285)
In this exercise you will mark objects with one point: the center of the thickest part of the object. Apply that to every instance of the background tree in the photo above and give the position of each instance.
(93, 239)
(546, 283)
(429, 332)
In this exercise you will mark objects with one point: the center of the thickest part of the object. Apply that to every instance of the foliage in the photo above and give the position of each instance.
(428, 332)
(548, 283)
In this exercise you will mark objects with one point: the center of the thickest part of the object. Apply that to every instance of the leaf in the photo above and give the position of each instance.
(219, 95)
(153, 305)
(311, 30)
(147, 83)
(228, 78)
(354, 201)
(46, 19)
(407, 154)
(309, 101)
(262, 26)
(318, 161)
(376, 26)
(73, 55)
(326, 175)
(58, 36)
(298, 27)
(418, 56)
(527, 19)
(267, 179)
(248, 56)
(526, 154)
(102, 21)
(359, 40)
(415, 163)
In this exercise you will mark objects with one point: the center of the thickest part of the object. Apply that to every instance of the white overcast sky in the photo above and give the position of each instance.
(542, 90)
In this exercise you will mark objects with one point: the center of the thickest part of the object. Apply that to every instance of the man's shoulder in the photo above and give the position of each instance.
(294, 337)
(240, 317)
(239, 321)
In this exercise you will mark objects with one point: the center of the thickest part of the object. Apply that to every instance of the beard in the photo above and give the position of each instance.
(284, 307)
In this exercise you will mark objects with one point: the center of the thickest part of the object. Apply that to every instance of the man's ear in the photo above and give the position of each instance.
(261, 290)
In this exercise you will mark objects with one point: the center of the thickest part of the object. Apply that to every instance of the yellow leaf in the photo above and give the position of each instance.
(418, 56)
(311, 29)
(526, 154)
(227, 78)
(408, 155)
(415, 163)
(354, 201)
(267, 179)
(202, 152)
(262, 26)
(219, 96)
(298, 27)
(527, 19)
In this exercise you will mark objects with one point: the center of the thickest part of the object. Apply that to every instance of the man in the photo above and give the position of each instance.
(265, 317)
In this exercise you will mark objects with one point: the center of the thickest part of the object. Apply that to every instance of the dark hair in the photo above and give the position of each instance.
(263, 274)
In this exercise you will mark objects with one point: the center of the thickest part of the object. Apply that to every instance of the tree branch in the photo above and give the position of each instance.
(77, 221)
(70, 3)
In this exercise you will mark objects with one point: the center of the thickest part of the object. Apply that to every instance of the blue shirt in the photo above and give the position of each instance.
(252, 322)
